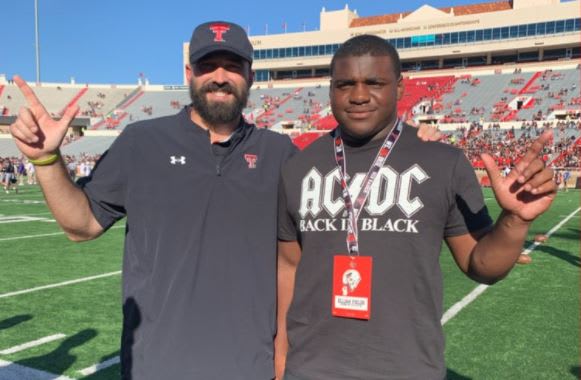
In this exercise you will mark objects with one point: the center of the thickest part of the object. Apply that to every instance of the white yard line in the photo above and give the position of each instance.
(20, 219)
(30, 214)
(100, 366)
(34, 343)
(20, 202)
(13, 371)
(458, 306)
(65, 283)
(31, 236)
(44, 235)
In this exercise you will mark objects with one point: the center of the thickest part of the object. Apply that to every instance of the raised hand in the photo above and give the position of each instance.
(35, 132)
(426, 132)
(528, 190)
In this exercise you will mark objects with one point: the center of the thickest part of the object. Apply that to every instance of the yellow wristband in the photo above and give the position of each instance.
(46, 161)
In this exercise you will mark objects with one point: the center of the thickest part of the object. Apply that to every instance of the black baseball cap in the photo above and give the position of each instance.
(219, 36)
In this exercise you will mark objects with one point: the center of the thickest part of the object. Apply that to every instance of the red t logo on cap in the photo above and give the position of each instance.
(219, 30)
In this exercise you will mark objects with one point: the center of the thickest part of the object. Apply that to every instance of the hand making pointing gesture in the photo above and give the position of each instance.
(36, 133)
(528, 190)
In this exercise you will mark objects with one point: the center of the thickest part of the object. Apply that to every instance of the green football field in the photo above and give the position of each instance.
(60, 302)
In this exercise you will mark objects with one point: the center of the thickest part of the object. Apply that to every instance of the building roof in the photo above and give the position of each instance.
(460, 10)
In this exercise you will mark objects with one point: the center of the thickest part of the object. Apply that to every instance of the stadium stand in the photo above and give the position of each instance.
(449, 99)
(480, 98)
(154, 103)
(88, 145)
(8, 148)
(55, 98)
(510, 82)
(98, 102)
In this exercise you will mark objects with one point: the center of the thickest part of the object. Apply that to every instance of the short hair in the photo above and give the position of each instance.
(367, 44)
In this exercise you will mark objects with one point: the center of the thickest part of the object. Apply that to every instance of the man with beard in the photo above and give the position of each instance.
(199, 281)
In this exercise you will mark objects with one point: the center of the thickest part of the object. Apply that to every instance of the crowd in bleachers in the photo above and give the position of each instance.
(301, 107)
(465, 99)
(94, 109)
(516, 96)
(508, 145)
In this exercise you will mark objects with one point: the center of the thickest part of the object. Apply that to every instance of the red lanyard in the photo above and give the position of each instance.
(354, 208)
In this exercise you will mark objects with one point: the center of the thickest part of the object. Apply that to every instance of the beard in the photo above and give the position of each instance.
(218, 112)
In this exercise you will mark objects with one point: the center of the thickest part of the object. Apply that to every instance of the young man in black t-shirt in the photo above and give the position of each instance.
(362, 216)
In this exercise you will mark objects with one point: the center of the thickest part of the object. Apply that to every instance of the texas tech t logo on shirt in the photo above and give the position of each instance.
(251, 160)
(320, 197)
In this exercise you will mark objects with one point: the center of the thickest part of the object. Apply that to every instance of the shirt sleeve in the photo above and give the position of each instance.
(106, 188)
(290, 150)
(287, 230)
(468, 212)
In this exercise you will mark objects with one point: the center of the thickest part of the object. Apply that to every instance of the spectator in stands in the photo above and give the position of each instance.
(199, 190)
(403, 337)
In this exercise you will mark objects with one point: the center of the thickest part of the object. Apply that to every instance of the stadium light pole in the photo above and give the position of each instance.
(36, 42)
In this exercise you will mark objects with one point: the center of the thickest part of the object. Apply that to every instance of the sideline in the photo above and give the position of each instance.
(100, 366)
(458, 306)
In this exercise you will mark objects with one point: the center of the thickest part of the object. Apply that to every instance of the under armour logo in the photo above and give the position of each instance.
(251, 159)
(219, 30)
(177, 160)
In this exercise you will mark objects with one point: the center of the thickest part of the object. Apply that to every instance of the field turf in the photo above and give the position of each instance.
(525, 327)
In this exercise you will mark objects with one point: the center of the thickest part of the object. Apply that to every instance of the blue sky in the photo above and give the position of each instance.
(112, 41)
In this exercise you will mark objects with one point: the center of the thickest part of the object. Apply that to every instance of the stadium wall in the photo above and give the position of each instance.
(423, 23)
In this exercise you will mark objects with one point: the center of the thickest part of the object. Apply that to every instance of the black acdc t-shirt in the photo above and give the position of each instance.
(423, 193)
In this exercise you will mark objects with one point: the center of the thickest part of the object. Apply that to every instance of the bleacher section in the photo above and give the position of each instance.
(115, 117)
(481, 98)
(53, 98)
(94, 101)
(88, 145)
(274, 107)
(303, 111)
(8, 148)
(508, 97)
(419, 90)
(553, 91)
(155, 104)
(98, 102)
(467, 98)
